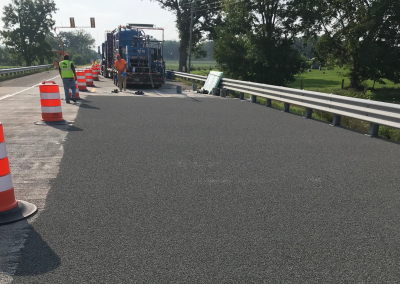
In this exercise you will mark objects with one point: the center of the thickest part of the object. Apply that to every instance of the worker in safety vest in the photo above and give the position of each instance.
(68, 75)
(121, 65)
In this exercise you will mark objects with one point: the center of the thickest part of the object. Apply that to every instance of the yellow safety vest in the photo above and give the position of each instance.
(66, 71)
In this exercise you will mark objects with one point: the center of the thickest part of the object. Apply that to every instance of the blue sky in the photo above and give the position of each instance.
(110, 14)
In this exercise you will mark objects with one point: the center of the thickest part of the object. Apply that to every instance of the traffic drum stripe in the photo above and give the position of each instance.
(3, 152)
(6, 182)
(49, 96)
(54, 109)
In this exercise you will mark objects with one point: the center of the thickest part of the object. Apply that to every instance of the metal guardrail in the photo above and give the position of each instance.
(11, 71)
(189, 76)
(374, 112)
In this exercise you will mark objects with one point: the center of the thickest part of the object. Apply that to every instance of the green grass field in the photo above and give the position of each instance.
(174, 65)
(331, 79)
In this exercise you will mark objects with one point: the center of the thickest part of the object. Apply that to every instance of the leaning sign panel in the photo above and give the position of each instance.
(213, 80)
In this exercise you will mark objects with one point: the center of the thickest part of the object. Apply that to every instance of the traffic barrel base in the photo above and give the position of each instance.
(52, 123)
(11, 210)
(21, 211)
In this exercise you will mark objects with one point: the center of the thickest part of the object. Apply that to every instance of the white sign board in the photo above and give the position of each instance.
(213, 80)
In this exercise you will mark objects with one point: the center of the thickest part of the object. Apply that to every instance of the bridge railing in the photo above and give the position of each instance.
(374, 112)
(11, 71)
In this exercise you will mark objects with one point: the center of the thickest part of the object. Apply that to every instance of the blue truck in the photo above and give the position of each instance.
(143, 54)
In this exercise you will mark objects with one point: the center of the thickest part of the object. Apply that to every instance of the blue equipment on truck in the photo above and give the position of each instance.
(143, 55)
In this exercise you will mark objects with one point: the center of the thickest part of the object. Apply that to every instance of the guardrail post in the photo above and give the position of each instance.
(241, 96)
(223, 93)
(268, 103)
(336, 120)
(308, 112)
(373, 129)
(215, 91)
(286, 107)
(253, 98)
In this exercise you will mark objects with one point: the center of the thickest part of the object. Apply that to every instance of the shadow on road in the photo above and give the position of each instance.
(83, 105)
(36, 257)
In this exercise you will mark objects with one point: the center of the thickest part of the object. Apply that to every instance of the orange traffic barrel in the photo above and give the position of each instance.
(77, 90)
(89, 77)
(50, 101)
(11, 210)
(95, 71)
(81, 77)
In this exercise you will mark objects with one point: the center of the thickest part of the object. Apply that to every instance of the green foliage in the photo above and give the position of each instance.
(80, 41)
(255, 41)
(76, 43)
(26, 24)
(359, 35)
(79, 59)
(204, 21)
(5, 57)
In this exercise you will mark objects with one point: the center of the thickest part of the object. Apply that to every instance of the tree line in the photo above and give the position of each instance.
(29, 40)
(258, 40)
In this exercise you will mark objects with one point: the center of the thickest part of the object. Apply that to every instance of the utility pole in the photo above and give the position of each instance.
(191, 31)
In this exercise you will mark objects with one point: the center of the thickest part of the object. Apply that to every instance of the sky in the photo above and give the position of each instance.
(109, 14)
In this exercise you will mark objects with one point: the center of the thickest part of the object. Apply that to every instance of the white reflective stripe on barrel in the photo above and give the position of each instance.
(81, 83)
(3, 152)
(80, 77)
(49, 96)
(55, 109)
(5, 182)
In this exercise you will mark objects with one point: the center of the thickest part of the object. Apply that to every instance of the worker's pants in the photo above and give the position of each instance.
(69, 83)
(121, 81)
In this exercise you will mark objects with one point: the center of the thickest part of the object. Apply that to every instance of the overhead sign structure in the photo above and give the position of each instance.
(72, 22)
(92, 23)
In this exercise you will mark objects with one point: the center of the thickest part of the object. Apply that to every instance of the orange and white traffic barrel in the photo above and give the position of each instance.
(11, 210)
(95, 71)
(81, 77)
(89, 77)
(77, 90)
(50, 101)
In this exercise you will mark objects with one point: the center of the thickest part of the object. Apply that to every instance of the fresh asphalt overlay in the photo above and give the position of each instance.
(208, 190)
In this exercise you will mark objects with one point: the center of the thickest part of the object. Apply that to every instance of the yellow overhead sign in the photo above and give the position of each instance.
(72, 22)
(92, 24)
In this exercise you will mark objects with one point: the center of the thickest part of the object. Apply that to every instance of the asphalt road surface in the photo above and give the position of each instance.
(212, 190)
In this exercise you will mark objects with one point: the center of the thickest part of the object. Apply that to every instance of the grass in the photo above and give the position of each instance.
(7, 67)
(197, 65)
(330, 81)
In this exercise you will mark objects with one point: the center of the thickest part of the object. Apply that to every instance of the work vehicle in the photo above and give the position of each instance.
(142, 53)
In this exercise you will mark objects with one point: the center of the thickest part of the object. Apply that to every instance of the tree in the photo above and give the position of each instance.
(26, 24)
(5, 57)
(205, 19)
(255, 41)
(79, 40)
(171, 50)
(362, 36)
(79, 59)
